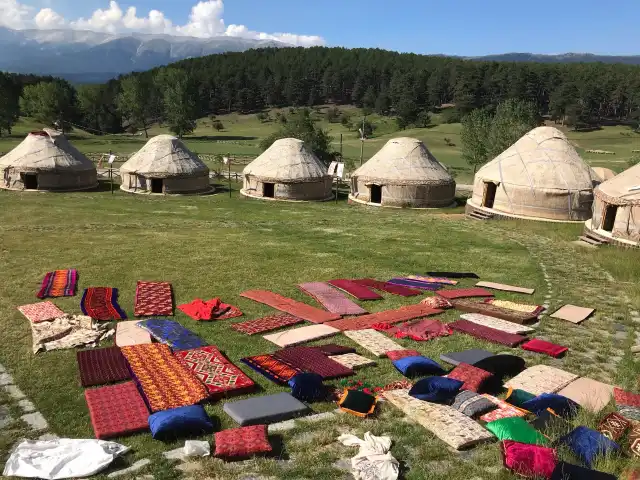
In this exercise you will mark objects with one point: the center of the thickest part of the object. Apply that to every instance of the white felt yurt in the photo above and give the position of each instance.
(46, 161)
(603, 173)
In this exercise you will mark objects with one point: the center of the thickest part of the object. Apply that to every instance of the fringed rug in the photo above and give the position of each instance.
(290, 306)
(101, 303)
(331, 299)
(266, 324)
(153, 298)
(60, 283)
(172, 334)
(102, 366)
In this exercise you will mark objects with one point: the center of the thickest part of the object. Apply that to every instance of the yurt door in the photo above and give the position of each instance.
(609, 218)
(30, 181)
(157, 185)
(375, 193)
(489, 196)
(268, 190)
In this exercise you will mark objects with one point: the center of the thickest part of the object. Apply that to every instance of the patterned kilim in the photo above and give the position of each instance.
(504, 410)
(310, 359)
(439, 280)
(117, 410)
(172, 333)
(41, 312)
(353, 360)
(215, 370)
(100, 303)
(406, 282)
(165, 381)
(388, 287)
(388, 316)
(266, 324)
(331, 299)
(274, 369)
(290, 306)
(153, 298)
(518, 307)
(102, 366)
(60, 283)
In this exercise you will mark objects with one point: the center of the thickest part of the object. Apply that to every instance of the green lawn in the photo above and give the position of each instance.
(216, 246)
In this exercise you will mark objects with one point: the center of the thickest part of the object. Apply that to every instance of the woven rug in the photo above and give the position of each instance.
(41, 312)
(102, 366)
(518, 307)
(60, 283)
(488, 334)
(496, 323)
(401, 314)
(171, 333)
(331, 299)
(355, 289)
(353, 360)
(213, 309)
(464, 293)
(128, 333)
(216, 371)
(373, 341)
(330, 349)
(472, 306)
(388, 287)
(266, 324)
(153, 298)
(439, 280)
(165, 381)
(290, 306)
(274, 369)
(101, 303)
(418, 330)
(117, 410)
(406, 282)
(310, 359)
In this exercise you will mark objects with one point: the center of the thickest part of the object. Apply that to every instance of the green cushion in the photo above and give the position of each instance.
(516, 429)
(518, 397)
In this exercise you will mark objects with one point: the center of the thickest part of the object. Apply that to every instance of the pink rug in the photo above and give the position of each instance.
(331, 299)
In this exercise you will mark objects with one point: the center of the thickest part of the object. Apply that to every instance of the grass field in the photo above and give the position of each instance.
(242, 135)
(220, 246)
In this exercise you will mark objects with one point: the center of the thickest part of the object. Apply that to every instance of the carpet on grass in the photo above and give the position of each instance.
(506, 288)
(355, 289)
(438, 280)
(388, 287)
(496, 323)
(544, 347)
(353, 360)
(214, 309)
(309, 359)
(274, 369)
(588, 393)
(102, 366)
(486, 333)
(70, 331)
(518, 307)
(473, 306)
(101, 303)
(117, 410)
(573, 313)
(541, 379)
(266, 324)
(401, 314)
(41, 312)
(453, 274)
(59, 283)
(373, 341)
(290, 306)
(331, 299)
(172, 333)
(455, 293)
(296, 336)
(153, 298)
(128, 333)
(418, 330)
(416, 284)
(330, 349)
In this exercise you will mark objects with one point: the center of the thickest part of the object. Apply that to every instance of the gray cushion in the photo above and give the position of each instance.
(267, 409)
(472, 404)
(468, 356)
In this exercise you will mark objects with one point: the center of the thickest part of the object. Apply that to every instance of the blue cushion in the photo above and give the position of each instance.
(563, 407)
(307, 387)
(436, 389)
(587, 444)
(417, 366)
(180, 422)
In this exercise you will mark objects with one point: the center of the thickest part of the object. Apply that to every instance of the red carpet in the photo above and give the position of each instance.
(288, 305)
(402, 314)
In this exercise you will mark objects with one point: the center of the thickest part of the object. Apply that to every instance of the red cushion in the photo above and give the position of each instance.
(242, 442)
(626, 398)
(117, 410)
(529, 461)
(473, 377)
(398, 354)
(542, 346)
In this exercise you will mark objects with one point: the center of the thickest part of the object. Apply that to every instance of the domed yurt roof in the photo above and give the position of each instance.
(288, 160)
(165, 156)
(623, 189)
(46, 150)
(404, 161)
(603, 173)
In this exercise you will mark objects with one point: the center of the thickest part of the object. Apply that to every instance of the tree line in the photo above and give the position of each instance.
(407, 86)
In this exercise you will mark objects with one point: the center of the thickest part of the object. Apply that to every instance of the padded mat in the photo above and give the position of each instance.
(541, 379)
(266, 324)
(496, 323)
(153, 298)
(290, 306)
(473, 306)
(464, 293)
(311, 359)
(101, 366)
(296, 336)
(375, 342)
(573, 314)
(331, 299)
(172, 334)
(116, 410)
(486, 333)
(401, 314)
(101, 303)
(353, 360)
(388, 287)
(467, 356)
(506, 288)
(128, 333)
(589, 394)
(355, 289)
(266, 409)
(274, 369)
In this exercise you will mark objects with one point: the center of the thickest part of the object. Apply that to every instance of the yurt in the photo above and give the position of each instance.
(603, 173)
(616, 209)
(287, 170)
(540, 177)
(403, 173)
(46, 161)
(165, 166)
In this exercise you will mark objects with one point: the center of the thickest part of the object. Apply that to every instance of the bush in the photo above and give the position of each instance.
(449, 142)
(333, 115)
(451, 115)
(263, 117)
(217, 125)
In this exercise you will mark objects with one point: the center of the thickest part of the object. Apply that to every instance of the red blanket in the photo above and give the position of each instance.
(212, 309)
(388, 316)
(418, 330)
(290, 306)
(486, 333)
(355, 289)
(388, 287)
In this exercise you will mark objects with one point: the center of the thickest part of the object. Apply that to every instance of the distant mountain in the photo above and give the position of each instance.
(84, 56)
(560, 58)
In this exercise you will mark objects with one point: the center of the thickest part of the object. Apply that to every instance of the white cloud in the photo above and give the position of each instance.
(205, 21)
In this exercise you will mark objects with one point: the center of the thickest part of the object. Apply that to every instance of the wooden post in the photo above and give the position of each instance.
(362, 140)
(229, 177)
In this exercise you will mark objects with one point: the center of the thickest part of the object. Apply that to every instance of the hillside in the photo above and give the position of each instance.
(561, 58)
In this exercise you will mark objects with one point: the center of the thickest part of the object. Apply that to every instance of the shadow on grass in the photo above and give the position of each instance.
(220, 138)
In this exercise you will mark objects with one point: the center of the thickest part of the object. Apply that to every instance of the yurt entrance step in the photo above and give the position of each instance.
(479, 215)
(592, 239)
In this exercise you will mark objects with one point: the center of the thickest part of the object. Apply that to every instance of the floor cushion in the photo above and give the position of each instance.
(473, 377)
(398, 354)
(417, 366)
(266, 409)
(128, 333)
(503, 410)
(101, 366)
(542, 379)
(624, 398)
(547, 348)
(274, 369)
(180, 422)
(296, 336)
(307, 386)
(466, 356)
(472, 404)
(589, 394)
(242, 442)
(562, 406)
(517, 397)
(567, 471)
(588, 444)
(613, 426)
(516, 429)
(116, 410)
(436, 389)
(375, 342)
(357, 403)
(529, 461)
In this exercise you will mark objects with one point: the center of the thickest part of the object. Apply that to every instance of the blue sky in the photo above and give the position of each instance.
(458, 27)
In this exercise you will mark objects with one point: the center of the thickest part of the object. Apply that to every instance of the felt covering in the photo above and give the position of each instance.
(418, 330)
(357, 403)
(506, 288)
(266, 324)
(589, 444)
(417, 284)
(388, 287)
(516, 429)
(101, 303)
(266, 409)
(116, 410)
(394, 355)
(102, 366)
(448, 424)
(353, 360)
(330, 349)
(588, 393)
(128, 333)
(355, 289)
(331, 299)
(473, 377)
(312, 360)
(486, 333)
(503, 410)
(216, 371)
(542, 379)
(373, 341)
(634, 439)
(518, 397)
(496, 323)
(401, 314)
(431, 279)
(274, 369)
(467, 356)
(613, 426)
(560, 405)
(573, 314)
(437, 302)
(464, 293)
(567, 471)
(180, 422)
(307, 387)
(290, 306)
(59, 283)
(242, 442)
(624, 398)
(453, 274)
(518, 307)
(529, 461)
(417, 366)
(41, 312)
(296, 336)
(172, 333)
(474, 306)
(472, 404)
(542, 346)
(436, 389)
(165, 381)
(153, 298)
